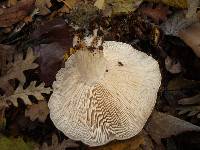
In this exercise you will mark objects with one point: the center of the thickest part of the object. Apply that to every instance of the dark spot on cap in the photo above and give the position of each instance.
(120, 63)
(106, 70)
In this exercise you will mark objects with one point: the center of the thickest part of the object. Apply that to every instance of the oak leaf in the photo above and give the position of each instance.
(23, 94)
(15, 70)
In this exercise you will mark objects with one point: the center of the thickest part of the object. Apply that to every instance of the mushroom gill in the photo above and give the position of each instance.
(102, 95)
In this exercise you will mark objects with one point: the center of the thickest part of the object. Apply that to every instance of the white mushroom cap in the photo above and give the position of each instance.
(106, 94)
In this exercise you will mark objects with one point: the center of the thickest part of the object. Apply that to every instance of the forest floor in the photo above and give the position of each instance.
(36, 38)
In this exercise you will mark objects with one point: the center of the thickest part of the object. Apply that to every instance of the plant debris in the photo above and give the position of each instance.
(37, 37)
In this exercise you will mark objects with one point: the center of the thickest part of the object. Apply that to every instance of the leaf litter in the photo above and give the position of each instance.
(166, 29)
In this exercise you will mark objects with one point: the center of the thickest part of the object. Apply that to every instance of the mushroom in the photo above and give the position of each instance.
(102, 95)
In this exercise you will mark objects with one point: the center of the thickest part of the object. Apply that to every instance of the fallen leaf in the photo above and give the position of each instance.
(15, 70)
(191, 37)
(58, 146)
(181, 84)
(162, 125)
(23, 94)
(59, 39)
(69, 3)
(3, 106)
(38, 111)
(191, 100)
(11, 3)
(173, 3)
(138, 142)
(43, 6)
(10, 16)
(51, 60)
(158, 13)
(99, 4)
(172, 66)
(122, 6)
(6, 55)
(64, 9)
(190, 106)
(186, 141)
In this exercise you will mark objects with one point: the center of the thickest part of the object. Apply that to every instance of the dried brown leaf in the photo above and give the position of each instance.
(121, 6)
(10, 16)
(6, 55)
(157, 14)
(23, 94)
(191, 37)
(69, 3)
(191, 100)
(38, 111)
(191, 106)
(58, 146)
(11, 3)
(99, 4)
(43, 6)
(173, 3)
(162, 125)
(135, 143)
(15, 69)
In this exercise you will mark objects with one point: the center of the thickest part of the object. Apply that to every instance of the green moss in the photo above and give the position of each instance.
(14, 144)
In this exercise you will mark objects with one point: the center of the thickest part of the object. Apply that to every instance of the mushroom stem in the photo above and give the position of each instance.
(91, 65)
